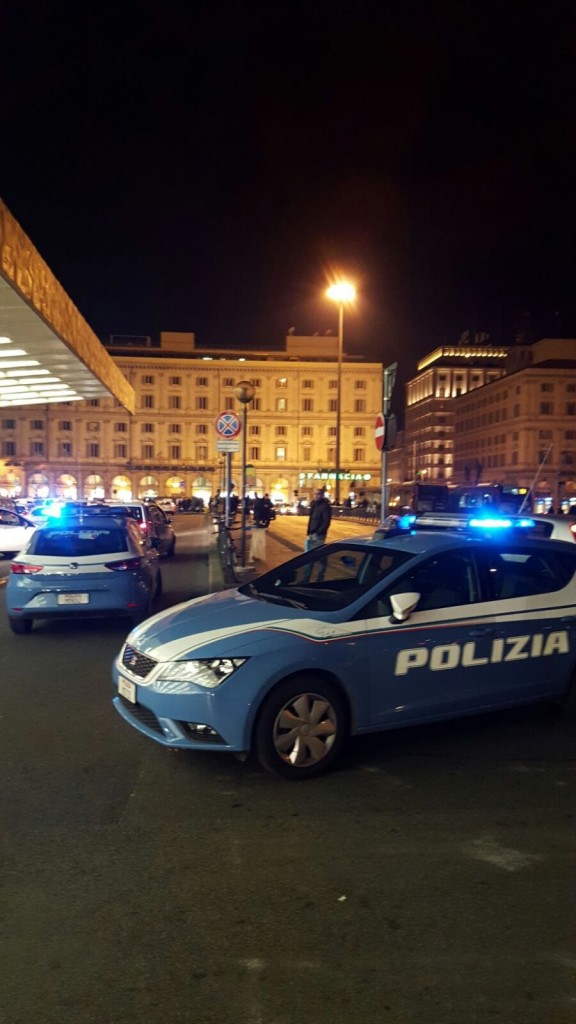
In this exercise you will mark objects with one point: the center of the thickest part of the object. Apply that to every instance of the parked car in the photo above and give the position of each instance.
(353, 637)
(152, 521)
(15, 530)
(538, 525)
(87, 566)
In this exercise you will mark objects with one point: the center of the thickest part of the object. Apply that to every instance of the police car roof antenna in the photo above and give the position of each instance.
(530, 490)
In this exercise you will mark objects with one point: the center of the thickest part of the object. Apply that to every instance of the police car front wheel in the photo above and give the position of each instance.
(301, 728)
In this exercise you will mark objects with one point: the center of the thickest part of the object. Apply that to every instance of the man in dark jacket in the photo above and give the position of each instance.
(319, 521)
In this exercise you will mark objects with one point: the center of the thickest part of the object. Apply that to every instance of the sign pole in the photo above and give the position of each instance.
(227, 485)
(389, 381)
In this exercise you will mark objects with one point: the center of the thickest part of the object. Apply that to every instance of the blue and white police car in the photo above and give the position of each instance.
(354, 637)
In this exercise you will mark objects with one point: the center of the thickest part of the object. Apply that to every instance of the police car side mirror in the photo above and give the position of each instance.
(402, 606)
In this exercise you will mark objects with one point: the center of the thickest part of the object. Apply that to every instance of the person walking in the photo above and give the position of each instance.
(319, 521)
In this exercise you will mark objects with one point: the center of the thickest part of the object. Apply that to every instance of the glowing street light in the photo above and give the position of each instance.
(342, 292)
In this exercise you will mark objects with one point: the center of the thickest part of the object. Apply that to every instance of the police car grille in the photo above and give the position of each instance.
(136, 663)
(142, 715)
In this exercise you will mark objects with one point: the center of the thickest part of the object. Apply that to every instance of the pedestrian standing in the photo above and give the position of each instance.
(319, 521)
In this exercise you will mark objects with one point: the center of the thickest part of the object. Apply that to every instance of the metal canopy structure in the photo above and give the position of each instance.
(48, 353)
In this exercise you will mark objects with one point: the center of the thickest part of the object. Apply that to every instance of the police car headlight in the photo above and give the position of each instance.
(209, 672)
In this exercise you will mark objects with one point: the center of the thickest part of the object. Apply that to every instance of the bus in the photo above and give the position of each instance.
(428, 497)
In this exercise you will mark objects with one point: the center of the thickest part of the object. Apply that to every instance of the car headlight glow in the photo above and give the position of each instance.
(208, 672)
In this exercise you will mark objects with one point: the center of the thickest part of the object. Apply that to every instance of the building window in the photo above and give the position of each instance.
(94, 403)
(332, 405)
(228, 382)
(256, 382)
(281, 405)
(332, 385)
(120, 428)
(280, 431)
(147, 451)
(359, 432)
(254, 453)
(545, 435)
(546, 387)
(254, 431)
(201, 428)
(8, 424)
(516, 411)
(546, 408)
(147, 401)
(201, 452)
(256, 404)
(307, 405)
(201, 382)
(201, 402)
(570, 435)
(65, 449)
(331, 431)
(93, 426)
(175, 452)
(147, 428)
(175, 381)
(37, 425)
(281, 454)
(359, 455)
(93, 450)
(570, 408)
(174, 428)
(147, 379)
(331, 455)
(306, 454)
(174, 402)
(120, 451)
(360, 385)
(306, 431)
(64, 425)
(308, 384)
(9, 448)
(360, 405)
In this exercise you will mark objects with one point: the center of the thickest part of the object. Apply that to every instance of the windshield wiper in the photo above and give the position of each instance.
(262, 595)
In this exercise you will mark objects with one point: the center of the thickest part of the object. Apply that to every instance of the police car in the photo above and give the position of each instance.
(354, 637)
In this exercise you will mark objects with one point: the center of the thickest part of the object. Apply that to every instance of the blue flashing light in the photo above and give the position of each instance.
(501, 523)
(406, 522)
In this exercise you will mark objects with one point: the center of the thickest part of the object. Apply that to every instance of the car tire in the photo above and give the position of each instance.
(301, 728)
(20, 626)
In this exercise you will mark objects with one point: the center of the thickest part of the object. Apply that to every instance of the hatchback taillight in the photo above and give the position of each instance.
(573, 530)
(22, 569)
(126, 564)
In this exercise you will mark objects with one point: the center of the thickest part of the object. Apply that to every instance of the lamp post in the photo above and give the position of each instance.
(341, 292)
(244, 392)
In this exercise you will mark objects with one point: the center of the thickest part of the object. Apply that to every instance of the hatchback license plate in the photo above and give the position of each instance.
(73, 598)
(127, 689)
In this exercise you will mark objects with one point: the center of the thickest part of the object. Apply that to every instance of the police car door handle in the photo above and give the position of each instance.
(482, 632)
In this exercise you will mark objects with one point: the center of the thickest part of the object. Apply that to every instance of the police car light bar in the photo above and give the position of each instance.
(501, 523)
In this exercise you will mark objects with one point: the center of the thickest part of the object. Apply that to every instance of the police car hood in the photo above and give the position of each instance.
(197, 628)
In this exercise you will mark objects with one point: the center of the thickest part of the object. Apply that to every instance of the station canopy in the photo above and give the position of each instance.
(48, 353)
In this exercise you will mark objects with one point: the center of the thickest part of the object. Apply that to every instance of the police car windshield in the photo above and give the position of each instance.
(328, 578)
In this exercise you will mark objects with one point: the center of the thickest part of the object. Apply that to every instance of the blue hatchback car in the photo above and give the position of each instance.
(354, 637)
(83, 565)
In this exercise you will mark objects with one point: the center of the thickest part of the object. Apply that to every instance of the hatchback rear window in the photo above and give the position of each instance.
(77, 543)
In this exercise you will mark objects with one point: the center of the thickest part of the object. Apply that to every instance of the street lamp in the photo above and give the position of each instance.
(341, 292)
(244, 392)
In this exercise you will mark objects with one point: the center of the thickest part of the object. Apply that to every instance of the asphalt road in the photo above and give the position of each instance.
(431, 879)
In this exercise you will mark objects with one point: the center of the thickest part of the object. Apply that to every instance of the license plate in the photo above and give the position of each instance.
(73, 598)
(127, 689)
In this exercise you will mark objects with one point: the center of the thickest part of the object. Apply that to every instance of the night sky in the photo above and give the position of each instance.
(205, 167)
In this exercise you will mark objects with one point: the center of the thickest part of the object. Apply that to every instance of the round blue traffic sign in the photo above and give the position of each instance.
(227, 424)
